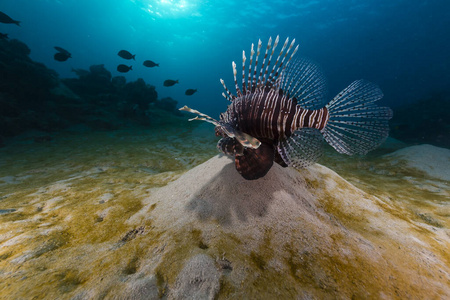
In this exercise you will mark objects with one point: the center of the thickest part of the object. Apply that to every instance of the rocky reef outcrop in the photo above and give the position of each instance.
(33, 97)
(24, 89)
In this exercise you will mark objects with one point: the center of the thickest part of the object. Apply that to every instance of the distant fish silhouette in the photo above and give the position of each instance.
(170, 82)
(81, 72)
(59, 49)
(3, 36)
(150, 64)
(125, 54)
(124, 68)
(60, 56)
(190, 92)
(4, 18)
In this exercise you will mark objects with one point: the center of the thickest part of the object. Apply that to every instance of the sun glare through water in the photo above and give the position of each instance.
(168, 8)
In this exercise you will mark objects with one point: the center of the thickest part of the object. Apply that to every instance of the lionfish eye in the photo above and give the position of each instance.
(219, 132)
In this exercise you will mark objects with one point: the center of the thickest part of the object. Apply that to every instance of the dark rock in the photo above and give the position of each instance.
(25, 86)
(425, 121)
(140, 93)
(96, 81)
(119, 81)
(99, 71)
(19, 49)
(24, 81)
(167, 104)
(8, 108)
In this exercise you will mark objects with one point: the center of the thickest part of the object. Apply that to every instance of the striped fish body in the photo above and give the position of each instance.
(279, 114)
(271, 115)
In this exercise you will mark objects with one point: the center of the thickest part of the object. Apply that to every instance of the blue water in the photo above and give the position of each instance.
(79, 173)
(401, 45)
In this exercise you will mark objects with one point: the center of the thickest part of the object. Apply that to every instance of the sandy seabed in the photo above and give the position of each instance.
(142, 215)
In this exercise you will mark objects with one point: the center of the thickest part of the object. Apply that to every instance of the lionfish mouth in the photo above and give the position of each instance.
(243, 138)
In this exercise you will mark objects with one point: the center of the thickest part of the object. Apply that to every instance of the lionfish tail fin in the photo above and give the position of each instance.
(356, 125)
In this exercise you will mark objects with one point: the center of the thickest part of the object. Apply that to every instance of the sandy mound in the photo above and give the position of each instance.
(434, 161)
(290, 234)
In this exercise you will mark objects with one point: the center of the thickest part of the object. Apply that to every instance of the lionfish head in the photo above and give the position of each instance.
(225, 129)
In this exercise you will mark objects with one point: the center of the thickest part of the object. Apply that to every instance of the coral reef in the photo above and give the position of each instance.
(33, 97)
(24, 89)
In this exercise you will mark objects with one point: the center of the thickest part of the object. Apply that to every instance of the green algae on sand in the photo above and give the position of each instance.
(104, 214)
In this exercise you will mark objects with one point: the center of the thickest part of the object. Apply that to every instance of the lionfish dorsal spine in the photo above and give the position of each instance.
(272, 75)
(243, 72)
(238, 90)
(282, 65)
(258, 51)
(260, 77)
(227, 96)
(270, 59)
(249, 82)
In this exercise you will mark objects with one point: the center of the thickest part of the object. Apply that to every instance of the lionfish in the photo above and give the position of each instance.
(278, 114)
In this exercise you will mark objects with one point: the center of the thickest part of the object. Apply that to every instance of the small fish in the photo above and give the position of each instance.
(124, 68)
(126, 55)
(170, 82)
(150, 64)
(80, 72)
(61, 56)
(281, 116)
(59, 49)
(3, 36)
(4, 18)
(190, 92)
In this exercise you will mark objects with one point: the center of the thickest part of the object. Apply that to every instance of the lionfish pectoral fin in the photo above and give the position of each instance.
(202, 117)
(255, 163)
(230, 147)
(302, 148)
(247, 140)
(243, 138)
